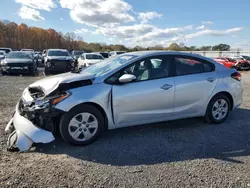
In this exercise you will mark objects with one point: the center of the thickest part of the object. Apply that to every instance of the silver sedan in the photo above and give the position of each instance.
(129, 89)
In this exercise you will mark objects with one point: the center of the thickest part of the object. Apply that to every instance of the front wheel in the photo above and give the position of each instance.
(81, 125)
(218, 109)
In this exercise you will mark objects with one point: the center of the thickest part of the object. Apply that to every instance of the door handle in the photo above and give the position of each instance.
(166, 86)
(210, 79)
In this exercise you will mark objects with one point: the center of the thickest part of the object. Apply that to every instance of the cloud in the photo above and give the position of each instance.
(81, 31)
(201, 27)
(61, 19)
(125, 32)
(214, 32)
(38, 4)
(30, 14)
(207, 22)
(98, 13)
(144, 17)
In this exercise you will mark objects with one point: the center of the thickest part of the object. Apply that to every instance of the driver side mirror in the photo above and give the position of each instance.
(126, 78)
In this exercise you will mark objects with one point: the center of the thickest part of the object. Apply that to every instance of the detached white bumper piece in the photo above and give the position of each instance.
(26, 133)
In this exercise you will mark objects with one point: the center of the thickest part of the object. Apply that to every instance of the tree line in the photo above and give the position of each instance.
(21, 36)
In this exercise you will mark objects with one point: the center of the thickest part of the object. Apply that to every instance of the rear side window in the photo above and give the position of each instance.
(185, 66)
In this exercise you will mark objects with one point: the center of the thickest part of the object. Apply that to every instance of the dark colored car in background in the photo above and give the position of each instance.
(7, 50)
(19, 62)
(58, 61)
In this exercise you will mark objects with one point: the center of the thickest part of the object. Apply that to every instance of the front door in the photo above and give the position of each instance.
(149, 98)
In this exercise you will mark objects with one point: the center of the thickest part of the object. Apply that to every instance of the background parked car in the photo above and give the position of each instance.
(115, 53)
(227, 62)
(7, 50)
(19, 62)
(241, 63)
(58, 61)
(88, 59)
(76, 53)
(2, 55)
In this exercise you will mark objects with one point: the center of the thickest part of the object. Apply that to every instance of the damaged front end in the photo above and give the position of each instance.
(34, 120)
(36, 116)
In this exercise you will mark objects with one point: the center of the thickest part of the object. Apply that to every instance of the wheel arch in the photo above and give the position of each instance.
(228, 95)
(99, 108)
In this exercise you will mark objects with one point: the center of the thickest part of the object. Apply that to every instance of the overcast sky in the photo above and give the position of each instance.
(139, 22)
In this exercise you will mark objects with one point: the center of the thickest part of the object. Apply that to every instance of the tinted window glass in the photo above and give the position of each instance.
(145, 69)
(19, 55)
(186, 66)
(58, 53)
(93, 56)
(105, 55)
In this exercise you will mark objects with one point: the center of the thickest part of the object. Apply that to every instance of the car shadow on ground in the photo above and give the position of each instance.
(165, 142)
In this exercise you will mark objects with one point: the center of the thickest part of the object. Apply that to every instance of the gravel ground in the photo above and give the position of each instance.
(183, 153)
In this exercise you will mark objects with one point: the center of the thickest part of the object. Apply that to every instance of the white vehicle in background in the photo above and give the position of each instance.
(115, 53)
(88, 59)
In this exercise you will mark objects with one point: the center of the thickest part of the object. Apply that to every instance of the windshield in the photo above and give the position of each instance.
(118, 53)
(93, 56)
(2, 53)
(108, 65)
(246, 57)
(58, 53)
(78, 52)
(19, 55)
(230, 59)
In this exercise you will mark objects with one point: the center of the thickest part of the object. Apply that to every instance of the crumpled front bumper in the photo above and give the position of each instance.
(27, 132)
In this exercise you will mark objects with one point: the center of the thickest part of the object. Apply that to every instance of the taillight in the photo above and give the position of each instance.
(236, 76)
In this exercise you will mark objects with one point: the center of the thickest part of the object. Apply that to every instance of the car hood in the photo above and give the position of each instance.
(49, 84)
(18, 60)
(60, 57)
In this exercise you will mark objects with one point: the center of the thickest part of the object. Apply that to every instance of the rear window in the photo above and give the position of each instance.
(185, 66)
(58, 53)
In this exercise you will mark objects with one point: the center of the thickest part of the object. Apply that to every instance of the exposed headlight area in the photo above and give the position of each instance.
(3, 62)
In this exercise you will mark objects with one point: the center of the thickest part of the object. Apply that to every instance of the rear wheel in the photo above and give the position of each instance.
(81, 125)
(218, 109)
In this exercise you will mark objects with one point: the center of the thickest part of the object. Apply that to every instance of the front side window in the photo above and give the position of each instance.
(145, 69)
(185, 66)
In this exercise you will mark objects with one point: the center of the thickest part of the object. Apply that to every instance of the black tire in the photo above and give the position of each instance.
(66, 118)
(209, 114)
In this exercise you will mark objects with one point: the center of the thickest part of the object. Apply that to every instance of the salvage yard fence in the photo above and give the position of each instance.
(213, 54)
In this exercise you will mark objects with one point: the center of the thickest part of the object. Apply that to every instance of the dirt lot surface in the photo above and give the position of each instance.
(183, 153)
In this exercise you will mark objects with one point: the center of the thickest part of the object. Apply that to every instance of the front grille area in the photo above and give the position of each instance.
(19, 64)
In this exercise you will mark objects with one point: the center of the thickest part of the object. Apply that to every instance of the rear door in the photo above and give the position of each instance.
(149, 98)
(195, 81)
